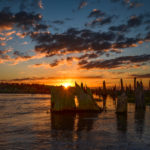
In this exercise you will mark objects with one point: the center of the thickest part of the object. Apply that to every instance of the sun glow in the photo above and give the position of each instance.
(66, 85)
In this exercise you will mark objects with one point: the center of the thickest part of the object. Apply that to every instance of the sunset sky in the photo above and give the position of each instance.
(62, 41)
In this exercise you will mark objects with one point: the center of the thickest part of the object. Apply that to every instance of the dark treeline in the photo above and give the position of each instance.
(24, 88)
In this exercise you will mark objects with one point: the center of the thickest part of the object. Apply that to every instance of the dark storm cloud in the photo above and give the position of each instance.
(141, 75)
(116, 62)
(96, 13)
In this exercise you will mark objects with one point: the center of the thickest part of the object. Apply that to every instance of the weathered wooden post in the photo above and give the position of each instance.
(139, 96)
(122, 87)
(130, 88)
(122, 101)
(135, 83)
(104, 94)
(85, 99)
(62, 100)
(114, 93)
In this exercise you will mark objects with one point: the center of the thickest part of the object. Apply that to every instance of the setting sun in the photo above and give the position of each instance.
(66, 85)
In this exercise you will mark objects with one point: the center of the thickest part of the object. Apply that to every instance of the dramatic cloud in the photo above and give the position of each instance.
(87, 43)
(93, 43)
(116, 62)
(73, 40)
(23, 20)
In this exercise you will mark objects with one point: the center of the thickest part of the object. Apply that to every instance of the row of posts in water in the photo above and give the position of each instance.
(121, 96)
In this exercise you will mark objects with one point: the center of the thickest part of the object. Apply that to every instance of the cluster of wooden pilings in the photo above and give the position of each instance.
(139, 94)
(75, 99)
(80, 98)
(120, 96)
(122, 100)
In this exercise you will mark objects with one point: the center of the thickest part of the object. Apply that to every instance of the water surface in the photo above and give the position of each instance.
(26, 123)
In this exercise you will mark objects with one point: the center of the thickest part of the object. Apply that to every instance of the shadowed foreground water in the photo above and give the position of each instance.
(26, 123)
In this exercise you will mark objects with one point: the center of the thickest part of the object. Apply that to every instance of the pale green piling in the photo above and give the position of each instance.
(62, 99)
(85, 99)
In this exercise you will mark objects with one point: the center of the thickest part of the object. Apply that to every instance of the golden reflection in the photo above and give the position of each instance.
(76, 101)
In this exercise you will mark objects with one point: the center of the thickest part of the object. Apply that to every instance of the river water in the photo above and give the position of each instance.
(26, 123)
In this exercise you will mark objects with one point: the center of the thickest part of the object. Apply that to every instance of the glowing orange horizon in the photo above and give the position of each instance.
(93, 83)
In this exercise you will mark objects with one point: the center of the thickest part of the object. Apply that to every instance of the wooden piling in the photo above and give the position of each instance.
(139, 96)
(85, 99)
(62, 100)
(122, 100)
